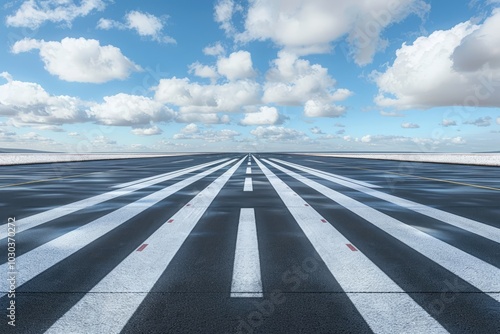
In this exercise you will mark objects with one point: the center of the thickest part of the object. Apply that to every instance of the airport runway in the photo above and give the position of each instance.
(259, 243)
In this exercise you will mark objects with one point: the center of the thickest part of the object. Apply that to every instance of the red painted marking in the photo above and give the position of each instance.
(140, 249)
(170, 221)
(323, 220)
(351, 247)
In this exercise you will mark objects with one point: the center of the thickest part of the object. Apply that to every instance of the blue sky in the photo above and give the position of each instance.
(303, 75)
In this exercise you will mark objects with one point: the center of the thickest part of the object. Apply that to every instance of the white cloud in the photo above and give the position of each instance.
(366, 139)
(124, 109)
(144, 24)
(458, 140)
(33, 13)
(390, 113)
(196, 98)
(316, 130)
(466, 57)
(237, 66)
(80, 59)
(29, 103)
(445, 69)
(448, 122)
(223, 12)
(192, 131)
(148, 131)
(214, 50)
(204, 71)
(309, 26)
(190, 128)
(498, 120)
(293, 81)
(412, 143)
(279, 134)
(481, 121)
(265, 116)
(407, 125)
(103, 141)
(202, 118)
(314, 108)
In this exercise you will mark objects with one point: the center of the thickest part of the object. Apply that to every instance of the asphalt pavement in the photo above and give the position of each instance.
(250, 243)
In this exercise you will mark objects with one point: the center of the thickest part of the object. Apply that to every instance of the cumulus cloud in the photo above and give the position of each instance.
(407, 125)
(195, 98)
(316, 130)
(481, 121)
(305, 26)
(103, 141)
(147, 131)
(223, 13)
(80, 59)
(214, 50)
(237, 66)
(29, 103)
(486, 38)
(124, 109)
(390, 113)
(279, 134)
(204, 71)
(445, 69)
(33, 13)
(294, 81)
(190, 128)
(316, 108)
(389, 141)
(144, 24)
(265, 116)
(202, 118)
(448, 122)
(192, 131)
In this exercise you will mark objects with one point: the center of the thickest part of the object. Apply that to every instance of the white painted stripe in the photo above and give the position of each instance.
(46, 216)
(101, 310)
(128, 184)
(249, 163)
(248, 186)
(478, 273)
(43, 257)
(481, 229)
(386, 309)
(249, 170)
(345, 178)
(177, 162)
(246, 271)
(123, 185)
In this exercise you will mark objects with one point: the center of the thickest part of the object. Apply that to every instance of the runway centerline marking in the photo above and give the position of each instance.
(249, 170)
(247, 280)
(248, 184)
